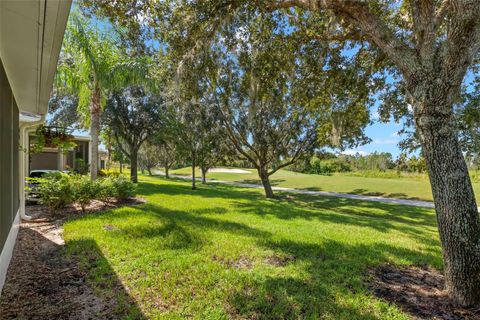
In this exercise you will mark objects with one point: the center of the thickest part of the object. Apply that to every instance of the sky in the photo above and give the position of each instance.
(384, 137)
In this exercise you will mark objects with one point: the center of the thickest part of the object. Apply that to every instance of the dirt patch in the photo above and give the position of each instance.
(418, 291)
(242, 262)
(279, 260)
(42, 214)
(43, 282)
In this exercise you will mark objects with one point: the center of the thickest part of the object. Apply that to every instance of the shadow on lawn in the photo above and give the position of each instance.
(110, 289)
(398, 195)
(376, 215)
(332, 269)
(328, 270)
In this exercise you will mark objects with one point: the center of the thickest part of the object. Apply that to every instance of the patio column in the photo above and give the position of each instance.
(60, 160)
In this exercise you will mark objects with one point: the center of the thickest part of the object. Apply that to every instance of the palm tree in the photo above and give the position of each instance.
(91, 65)
(85, 69)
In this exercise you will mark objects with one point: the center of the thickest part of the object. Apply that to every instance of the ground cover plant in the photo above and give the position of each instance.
(225, 252)
(402, 187)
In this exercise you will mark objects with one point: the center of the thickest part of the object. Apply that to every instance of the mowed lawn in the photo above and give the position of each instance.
(402, 188)
(222, 252)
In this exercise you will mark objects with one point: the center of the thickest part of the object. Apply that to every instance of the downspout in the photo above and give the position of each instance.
(25, 129)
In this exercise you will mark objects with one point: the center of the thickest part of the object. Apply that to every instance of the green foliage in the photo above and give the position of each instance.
(327, 167)
(123, 188)
(52, 137)
(106, 190)
(84, 190)
(55, 190)
(81, 165)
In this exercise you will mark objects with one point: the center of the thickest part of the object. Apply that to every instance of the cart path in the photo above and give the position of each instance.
(415, 203)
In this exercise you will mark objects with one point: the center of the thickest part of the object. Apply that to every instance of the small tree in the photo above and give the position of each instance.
(148, 157)
(133, 114)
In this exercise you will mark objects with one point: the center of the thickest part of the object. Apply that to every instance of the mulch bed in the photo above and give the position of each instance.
(418, 291)
(42, 282)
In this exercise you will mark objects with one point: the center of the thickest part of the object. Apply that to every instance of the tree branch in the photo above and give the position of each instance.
(357, 13)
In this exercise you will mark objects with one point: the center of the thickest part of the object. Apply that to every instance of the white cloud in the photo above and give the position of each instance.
(375, 115)
(385, 141)
(351, 152)
(395, 134)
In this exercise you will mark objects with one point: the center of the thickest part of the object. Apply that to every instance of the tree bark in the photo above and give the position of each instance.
(149, 171)
(455, 204)
(167, 175)
(263, 174)
(204, 174)
(134, 165)
(121, 166)
(95, 112)
(193, 170)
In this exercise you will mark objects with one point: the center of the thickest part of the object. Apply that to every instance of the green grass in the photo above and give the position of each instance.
(413, 188)
(206, 254)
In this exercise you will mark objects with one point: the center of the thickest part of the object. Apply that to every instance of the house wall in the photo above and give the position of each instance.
(9, 182)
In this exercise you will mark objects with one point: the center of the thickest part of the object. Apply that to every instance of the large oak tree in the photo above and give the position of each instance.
(427, 45)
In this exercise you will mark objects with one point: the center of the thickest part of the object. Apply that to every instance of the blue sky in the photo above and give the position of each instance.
(384, 139)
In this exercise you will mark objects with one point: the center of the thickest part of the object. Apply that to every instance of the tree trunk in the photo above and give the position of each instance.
(263, 174)
(134, 165)
(149, 171)
(193, 171)
(455, 205)
(167, 175)
(204, 174)
(95, 112)
(121, 166)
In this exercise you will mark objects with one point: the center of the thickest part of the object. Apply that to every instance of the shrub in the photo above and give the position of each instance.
(327, 167)
(123, 187)
(55, 190)
(84, 190)
(106, 190)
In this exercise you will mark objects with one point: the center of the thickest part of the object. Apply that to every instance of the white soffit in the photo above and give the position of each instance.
(31, 35)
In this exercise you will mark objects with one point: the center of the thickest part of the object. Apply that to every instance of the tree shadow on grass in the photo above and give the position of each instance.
(273, 182)
(177, 229)
(397, 195)
(376, 215)
(110, 287)
(325, 271)
(331, 269)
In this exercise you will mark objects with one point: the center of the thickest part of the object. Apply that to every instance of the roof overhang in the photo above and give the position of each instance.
(31, 35)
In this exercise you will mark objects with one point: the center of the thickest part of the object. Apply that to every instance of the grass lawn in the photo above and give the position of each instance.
(223, 252)
(402, 188)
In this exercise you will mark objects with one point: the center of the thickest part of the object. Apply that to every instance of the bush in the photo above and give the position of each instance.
(123, 188)
(106, 189)
(108, 173)
(55, 190)
(58, 190)
(84, 190)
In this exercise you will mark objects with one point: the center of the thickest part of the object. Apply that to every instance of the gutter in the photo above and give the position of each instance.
(25, 129)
